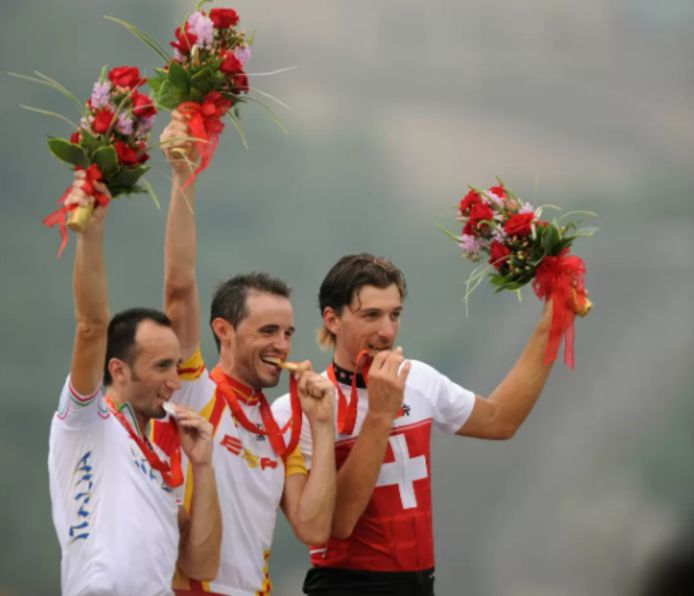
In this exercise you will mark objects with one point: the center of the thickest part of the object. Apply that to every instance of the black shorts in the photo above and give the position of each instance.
(323, 581)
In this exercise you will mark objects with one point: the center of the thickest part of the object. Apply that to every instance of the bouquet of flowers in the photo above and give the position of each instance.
(110, 142)
(520, 247)
(204, 78)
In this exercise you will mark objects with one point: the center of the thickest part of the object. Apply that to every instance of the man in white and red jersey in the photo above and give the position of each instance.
(119, 525)
(382, 539)
(252, 322)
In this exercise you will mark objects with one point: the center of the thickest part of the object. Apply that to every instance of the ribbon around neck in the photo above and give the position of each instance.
(205, 125)
(59, 216)
(230, 389)
(171, 472)
(560, 278)
(347, 410)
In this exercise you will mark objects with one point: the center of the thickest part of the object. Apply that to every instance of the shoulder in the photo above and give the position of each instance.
(422, 375)
(281, 407)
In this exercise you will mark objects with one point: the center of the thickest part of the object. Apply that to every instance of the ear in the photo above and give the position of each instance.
(224, 331)
(331, 320)
(120, 371)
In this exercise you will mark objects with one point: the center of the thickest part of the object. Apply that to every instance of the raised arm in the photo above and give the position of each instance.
(309, 501)
(181, 301)
(500, 416)
(89, 289)
(357, 476)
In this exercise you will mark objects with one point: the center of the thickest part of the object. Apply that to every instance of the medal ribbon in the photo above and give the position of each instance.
(347, 411)
(171, 473)
(231, 389)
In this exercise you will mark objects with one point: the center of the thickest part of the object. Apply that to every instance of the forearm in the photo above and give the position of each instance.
(199, 553)
(357, 476)
(181, 302)
(313, 516)
(517, 393)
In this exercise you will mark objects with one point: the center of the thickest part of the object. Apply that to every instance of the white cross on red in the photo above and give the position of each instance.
(403, 471)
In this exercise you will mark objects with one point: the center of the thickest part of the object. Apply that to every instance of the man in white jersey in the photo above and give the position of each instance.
(119, 525)
(252, 322)
(382, 539)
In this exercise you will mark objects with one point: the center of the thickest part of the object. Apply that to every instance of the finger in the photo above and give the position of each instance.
(302, 385)
(177, 116)
(379, 360)
(101, 187)
(80, 174)
(301, 369)
(404, 372)
(393, 362)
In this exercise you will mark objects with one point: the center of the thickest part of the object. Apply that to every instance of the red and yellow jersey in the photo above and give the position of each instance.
(250, 482)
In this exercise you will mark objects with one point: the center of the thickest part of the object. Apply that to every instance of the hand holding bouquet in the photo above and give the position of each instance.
(109, 144)
(521, 247)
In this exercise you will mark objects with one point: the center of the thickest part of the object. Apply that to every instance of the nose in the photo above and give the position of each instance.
(282, 344)
(388, 330)
(173, 383)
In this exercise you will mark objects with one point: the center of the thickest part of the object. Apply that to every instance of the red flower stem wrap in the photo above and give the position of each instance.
(556, 279)
(59, 216)
(205, 125)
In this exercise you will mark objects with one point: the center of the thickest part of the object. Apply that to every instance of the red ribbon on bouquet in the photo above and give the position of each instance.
(205, 124)
(59, 216)
(560, 279)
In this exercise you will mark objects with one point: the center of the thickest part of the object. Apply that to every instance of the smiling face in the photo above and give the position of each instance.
(265, 332)
(370, 322)
(151, 378)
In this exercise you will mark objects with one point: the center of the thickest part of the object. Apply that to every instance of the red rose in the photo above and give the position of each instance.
(75, 137)
(498, 251)
(102, 120)
(126, 154)
(240, 81)
(480, 211)
(125, 76)
(231, 64)
(224, 17)
(184, 40)
(470, 199)
(499, 191)
(142, 105)
(519, 224)
(142, 156)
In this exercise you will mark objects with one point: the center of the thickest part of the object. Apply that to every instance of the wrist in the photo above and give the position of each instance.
(204, 467)
(379, 419)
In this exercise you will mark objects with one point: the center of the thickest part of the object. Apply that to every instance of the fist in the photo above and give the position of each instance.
(178, 147)
(196, 435)
(386, 387)
(316, 395)
(79, 198)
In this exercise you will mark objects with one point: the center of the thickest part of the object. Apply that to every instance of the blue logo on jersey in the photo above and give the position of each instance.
(83, 493)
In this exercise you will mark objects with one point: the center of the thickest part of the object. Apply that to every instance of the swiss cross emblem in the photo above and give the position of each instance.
(403, 471)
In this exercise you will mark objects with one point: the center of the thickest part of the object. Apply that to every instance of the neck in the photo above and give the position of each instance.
(225, 364)
(140, 418)
(344, 360)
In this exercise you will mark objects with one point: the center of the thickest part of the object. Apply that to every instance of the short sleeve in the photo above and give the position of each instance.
(451, 404)
(195, 390)
(282, 411)
(295, 464)
(77, 411)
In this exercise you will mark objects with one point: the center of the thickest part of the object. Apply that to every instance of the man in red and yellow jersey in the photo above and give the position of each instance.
(259, 468)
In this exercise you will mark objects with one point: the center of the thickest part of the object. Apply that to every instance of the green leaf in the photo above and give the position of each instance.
(90, 142)
(155, 83)
(128, 176)
(149, 189)
(272, 114)
(107, 160)
(449, 234)
(68, 152)
(48, 82)
(145, 38)
(203, 80)
(179, 77)
(168, 96)
(550, 239)
(238, 127)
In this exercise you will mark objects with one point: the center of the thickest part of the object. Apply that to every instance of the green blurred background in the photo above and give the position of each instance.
(395, 108)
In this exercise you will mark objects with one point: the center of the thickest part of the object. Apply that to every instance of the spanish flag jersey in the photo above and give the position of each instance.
(250, 481)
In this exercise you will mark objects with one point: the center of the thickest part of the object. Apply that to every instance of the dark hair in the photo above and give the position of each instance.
(229, 300)
(122, 328)
(347, 277)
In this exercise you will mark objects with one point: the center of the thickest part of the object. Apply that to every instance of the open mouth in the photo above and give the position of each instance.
(273, 362)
